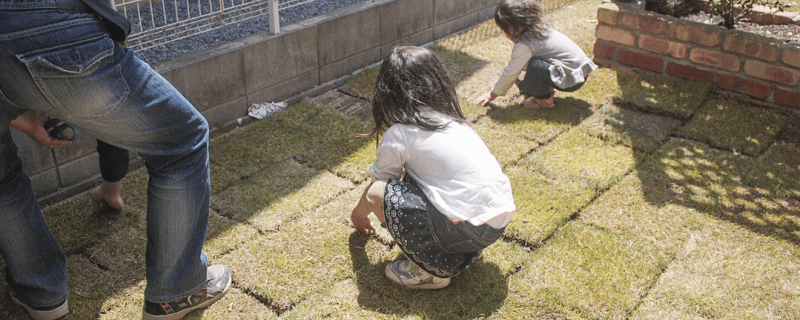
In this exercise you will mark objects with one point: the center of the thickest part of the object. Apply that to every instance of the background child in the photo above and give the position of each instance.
(553, 61)
(454, 199)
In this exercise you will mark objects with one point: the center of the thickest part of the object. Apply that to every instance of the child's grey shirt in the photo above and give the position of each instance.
(570, 64)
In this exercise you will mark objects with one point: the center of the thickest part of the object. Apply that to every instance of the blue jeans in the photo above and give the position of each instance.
(63, 63)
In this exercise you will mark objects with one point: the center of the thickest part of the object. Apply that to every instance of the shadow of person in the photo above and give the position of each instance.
(478, 292)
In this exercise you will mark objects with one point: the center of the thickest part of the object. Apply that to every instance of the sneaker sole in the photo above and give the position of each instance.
(428, 286)
(56, 313)
(184, 312)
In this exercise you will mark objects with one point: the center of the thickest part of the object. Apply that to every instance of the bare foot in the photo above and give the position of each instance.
(106, 198)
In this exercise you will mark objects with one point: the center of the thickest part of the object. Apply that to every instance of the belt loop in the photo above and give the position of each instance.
(70, 6)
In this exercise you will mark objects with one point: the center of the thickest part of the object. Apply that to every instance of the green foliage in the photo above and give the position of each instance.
(733, 11)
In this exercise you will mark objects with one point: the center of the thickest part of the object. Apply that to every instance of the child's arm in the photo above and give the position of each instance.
(520, 56)
(371, 202)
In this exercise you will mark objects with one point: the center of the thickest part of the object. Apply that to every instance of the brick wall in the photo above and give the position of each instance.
(759, 67)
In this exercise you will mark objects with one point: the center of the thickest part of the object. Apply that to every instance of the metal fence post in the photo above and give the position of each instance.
(274, 18)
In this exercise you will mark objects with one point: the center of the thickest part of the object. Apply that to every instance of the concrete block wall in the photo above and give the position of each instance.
(761, 68)
(310, 56)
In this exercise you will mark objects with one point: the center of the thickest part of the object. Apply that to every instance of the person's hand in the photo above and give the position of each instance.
(361, 222)
(32, 123)
(486, 98)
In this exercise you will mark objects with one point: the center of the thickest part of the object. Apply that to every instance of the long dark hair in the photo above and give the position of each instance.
(525, 14)
(412, 79)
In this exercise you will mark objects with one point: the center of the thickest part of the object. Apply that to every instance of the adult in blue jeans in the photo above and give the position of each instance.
(60, 58)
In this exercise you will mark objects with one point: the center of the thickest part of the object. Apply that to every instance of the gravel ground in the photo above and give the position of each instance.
(166, 12)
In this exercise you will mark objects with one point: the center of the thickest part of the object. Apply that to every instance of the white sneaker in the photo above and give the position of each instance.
(38, 313)
(407, 274)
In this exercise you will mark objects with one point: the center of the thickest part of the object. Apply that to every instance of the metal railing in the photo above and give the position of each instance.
(158, 22)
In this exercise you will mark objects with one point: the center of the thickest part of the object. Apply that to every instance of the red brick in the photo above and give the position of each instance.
(787, 97)
(770, 72)
(608, 13)
(753, 45)
(791, 55)
(709, 36)
(641, 20)
(604, 51)
(641, 60)
(617, 35)
(769, 19)
(749, 87)
(715, 59)
(690, 72)
(658, 45)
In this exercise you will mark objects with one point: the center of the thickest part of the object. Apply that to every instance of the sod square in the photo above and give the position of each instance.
(633, 129)
(346, 300)
(641, 206)
(539, 125)
(734, 126)
(278, 193)
(123, 252)
(586, 271)
(362, 84)
(777, 170)
(245, 151)
(598, 89)
(579, 156)
(726, 271)
(677, 98)
(225, 235)
(506, 145)
(697, 172)
(543, 204)
(76, 226)
(303, 256)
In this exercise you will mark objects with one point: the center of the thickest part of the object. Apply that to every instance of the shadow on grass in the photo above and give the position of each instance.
(714, 180)
(477, 293)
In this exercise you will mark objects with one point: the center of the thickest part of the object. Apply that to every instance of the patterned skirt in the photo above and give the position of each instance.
(427, 237)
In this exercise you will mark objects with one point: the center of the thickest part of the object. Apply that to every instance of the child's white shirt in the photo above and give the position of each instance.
(453, 167)
(572, 63)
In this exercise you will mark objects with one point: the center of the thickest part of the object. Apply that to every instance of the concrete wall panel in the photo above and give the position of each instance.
(280, 58)
(285, 89)
(412, 40)
(212, 81)
(34, 158)
(79, 169)
(353, 63)
(447, 10)
(403, 18)
(219, 115)
(349, 35)
(452, 26)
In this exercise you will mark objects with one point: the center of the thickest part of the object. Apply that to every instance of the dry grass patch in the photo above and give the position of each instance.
(278, 193)
(540, 125)
(303, 256)
(640, 206)
(677, 98)
(600, 87)
(506, 145)
(225, 235)
(778, 170)
(123, 252)
(543, 204)
(586, 270)
(345, 300)
(728, 272)
(633, 129)
(697, 174)
(362, 84)
(578, 156)
(77, 227)
(730, 125)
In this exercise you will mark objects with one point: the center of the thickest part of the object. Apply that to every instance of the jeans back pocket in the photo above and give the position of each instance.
(81, 78)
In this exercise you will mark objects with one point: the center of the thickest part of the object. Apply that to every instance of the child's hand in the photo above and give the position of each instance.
(486, 98)
(361, 222)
